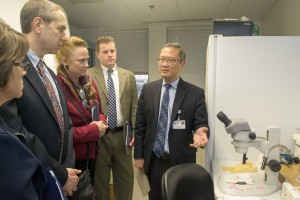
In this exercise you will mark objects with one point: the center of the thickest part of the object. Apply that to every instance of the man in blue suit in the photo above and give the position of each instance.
(159, 146)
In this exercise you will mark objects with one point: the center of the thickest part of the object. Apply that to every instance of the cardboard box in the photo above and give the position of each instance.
(235, 28)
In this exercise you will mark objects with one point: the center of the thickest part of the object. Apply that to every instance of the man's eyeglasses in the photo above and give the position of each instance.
(24, 66)
(168, 60)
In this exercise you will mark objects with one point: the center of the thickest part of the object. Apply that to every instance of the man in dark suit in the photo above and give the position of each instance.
(44, 24)
(170, 124)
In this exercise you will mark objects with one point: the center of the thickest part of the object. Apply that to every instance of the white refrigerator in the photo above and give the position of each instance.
(256, 78)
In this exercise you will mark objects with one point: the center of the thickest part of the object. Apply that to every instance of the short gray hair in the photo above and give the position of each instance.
(181, 54)
(44, 9)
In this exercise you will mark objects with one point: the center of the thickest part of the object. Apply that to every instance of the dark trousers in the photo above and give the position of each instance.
(82, 164)
(156, 170)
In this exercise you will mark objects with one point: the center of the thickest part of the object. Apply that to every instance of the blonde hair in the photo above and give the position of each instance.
(65, 52)
(67, 49)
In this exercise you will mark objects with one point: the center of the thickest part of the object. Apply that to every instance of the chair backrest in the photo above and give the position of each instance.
(187, 181)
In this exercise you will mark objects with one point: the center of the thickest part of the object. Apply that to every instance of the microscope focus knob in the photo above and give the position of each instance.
(252, 136)
(296, 160)
(274, 165)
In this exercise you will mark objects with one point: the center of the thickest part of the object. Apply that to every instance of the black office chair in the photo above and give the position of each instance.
(187, 181)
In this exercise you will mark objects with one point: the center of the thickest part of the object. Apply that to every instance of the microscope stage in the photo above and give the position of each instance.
(243, 188)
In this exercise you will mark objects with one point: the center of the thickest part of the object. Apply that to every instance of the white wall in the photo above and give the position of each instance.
(157, 38)
(10, 13)
(283, 19)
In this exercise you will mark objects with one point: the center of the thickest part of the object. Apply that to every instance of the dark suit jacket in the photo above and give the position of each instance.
(190, 99)
(22, 175)
(35, 112)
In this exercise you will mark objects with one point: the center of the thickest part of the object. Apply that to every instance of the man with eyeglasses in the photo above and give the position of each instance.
(171, 120)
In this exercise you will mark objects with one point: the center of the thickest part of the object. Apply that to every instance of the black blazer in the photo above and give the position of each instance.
(190, 99)
(22, 175)
(33, 112)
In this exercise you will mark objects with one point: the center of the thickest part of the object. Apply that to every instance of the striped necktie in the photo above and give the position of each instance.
(52, 95)
(159, 142)
(112, 108)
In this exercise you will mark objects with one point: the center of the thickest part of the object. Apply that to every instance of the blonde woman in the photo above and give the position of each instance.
(81, 95)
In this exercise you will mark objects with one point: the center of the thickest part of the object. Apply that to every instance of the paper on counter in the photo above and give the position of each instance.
(238, 178)
(142, 181)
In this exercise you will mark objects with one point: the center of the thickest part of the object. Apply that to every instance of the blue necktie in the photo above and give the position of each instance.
(159, 143)
(112, 108)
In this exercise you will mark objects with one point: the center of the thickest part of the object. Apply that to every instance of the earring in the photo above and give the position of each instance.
(66, 66)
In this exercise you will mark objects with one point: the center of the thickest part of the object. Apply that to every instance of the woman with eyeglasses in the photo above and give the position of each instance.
(82, 98)
(21, 174)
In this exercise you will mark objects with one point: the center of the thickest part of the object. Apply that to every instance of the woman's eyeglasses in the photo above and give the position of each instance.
(24, 65)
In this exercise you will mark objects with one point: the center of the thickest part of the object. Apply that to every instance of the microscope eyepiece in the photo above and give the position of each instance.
(223, 118)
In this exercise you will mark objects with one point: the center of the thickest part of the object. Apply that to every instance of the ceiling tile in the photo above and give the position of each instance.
(203, 9)
(116, 14)
(254, 9)
(108, 13)
(165, 10)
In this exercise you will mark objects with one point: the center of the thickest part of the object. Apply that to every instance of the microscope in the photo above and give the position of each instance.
(244, 137)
